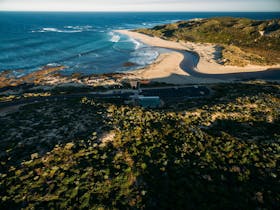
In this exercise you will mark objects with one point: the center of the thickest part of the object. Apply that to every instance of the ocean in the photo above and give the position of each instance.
(84, 42)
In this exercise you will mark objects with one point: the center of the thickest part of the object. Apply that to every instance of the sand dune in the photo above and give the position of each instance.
(200, 64)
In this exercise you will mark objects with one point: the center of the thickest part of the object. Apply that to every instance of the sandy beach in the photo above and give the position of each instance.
(184, 63)
(191, 63)
(167, 69)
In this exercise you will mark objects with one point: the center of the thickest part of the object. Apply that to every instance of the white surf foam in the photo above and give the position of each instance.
(144, 56)
(80, 28)
(114, 37)
(136, 43)
(53, 64)
(66, 29)
(50, 29)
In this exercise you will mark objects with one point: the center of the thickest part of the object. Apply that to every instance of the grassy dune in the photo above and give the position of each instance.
(244, 41)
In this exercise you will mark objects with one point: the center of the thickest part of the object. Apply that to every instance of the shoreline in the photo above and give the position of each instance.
(199, 64)
(186, 63)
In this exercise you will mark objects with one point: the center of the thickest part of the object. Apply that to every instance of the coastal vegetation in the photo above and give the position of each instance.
(220, 152)
(242, 41)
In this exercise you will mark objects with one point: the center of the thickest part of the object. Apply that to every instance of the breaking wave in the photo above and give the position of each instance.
(66, 29)
(114, 37)
(136, 43)
(144, 56)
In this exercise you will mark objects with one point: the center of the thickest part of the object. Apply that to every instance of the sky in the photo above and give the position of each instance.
(140, 5)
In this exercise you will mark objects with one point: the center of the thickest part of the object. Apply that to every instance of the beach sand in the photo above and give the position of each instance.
(168, 67)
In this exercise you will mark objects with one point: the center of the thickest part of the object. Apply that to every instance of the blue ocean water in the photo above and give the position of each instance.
(84, 42)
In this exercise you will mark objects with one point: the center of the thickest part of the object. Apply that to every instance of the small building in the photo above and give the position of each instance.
(134, 84)
(145, 101)
(149, 101)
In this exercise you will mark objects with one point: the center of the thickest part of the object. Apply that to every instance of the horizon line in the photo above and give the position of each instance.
(130, 11)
